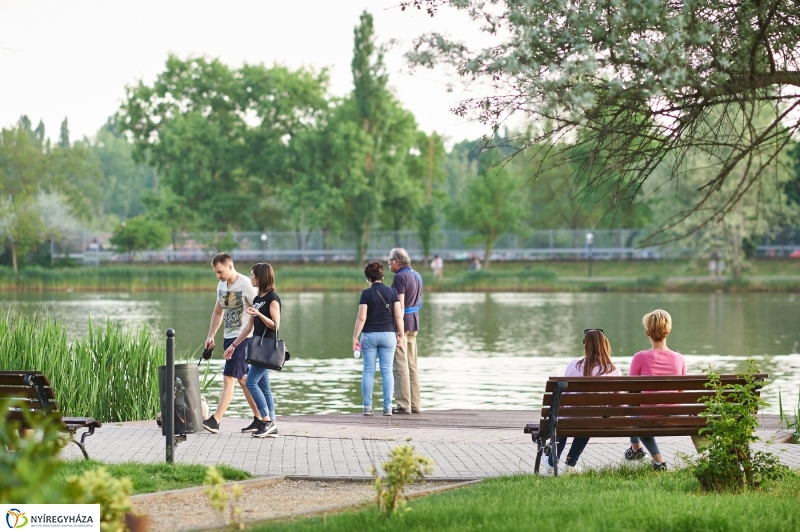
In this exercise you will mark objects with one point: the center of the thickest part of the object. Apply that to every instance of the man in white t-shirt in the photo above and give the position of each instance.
(235, 293)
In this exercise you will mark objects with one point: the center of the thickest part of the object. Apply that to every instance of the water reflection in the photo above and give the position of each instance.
(476, 350)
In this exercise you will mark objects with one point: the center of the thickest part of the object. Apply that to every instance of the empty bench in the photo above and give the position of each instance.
(31, 391)
(591, 407)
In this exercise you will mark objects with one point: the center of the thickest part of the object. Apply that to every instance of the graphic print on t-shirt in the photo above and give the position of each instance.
(233, 306)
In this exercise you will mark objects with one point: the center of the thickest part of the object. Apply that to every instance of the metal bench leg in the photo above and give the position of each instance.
(539, 450)
(554, 453)
(82, 443)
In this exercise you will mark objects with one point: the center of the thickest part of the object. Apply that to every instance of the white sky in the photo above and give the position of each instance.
(74, 58)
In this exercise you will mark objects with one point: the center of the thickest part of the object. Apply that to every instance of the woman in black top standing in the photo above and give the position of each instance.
(380, 324)
(266, 312)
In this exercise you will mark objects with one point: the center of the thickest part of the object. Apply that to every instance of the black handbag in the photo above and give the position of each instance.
(267, 352)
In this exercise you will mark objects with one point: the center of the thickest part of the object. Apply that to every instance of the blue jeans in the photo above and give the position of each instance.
(380, 346)
(649, 442)
(258, 385)
(575, 450)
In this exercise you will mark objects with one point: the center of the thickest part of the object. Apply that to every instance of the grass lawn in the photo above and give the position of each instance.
(149, 478)
(635, 499)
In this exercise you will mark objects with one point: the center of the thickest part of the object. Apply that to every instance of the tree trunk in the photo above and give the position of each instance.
(487, 250)
(14, 256)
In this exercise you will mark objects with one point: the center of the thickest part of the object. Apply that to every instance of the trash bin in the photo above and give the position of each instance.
(188, 415)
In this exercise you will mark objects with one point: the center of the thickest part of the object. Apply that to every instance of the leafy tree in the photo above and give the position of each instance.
(428, 163)
(491, 204)
(124, 181)
(327, 168)
(641, 81)
(23, 171)
(64, 136)
(389, 128)
(139, 234)
(218, 136)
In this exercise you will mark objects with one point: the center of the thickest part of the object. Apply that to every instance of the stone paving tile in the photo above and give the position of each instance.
(353, 458)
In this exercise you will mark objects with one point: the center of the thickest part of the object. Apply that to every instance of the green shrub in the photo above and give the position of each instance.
(28, 462)
(726, 462)
(98, 486)
(786, 421)
(404, 466)
(221, 500)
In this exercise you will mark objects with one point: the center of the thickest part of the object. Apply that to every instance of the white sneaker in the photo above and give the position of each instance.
(564, 470)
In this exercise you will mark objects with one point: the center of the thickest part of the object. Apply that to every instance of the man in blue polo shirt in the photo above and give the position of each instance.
(408, 285)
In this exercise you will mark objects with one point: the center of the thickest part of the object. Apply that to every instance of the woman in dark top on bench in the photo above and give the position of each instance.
(380, 324)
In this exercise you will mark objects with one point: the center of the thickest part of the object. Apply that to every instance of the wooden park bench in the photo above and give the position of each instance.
(31, 391)
(588, 407)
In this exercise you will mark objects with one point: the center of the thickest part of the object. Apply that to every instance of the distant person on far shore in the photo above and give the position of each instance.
(408, 285)
(596, 362)
(712, 265)
(659, 360)
(379, 324)
(437, 265)
(234, 293)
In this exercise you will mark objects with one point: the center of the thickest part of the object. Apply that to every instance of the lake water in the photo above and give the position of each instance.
(481, 351)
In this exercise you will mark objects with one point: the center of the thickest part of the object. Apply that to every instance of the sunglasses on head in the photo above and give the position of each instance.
(598, 330)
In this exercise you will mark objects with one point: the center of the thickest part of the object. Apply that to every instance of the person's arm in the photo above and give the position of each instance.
(636, 366)
(273, 323)
(399, 286)
(361, 319)
(246, 330)
(398, 322)
(216, 321)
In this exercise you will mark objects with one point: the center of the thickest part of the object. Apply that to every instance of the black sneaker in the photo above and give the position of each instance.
(211, 425)
(273, 434)
(630, 454)
(264, 429)
(252, 427)
(659, 466)
(398, 410)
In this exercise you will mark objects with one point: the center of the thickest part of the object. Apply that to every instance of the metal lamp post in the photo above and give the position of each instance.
(263, 241)
(589, 240)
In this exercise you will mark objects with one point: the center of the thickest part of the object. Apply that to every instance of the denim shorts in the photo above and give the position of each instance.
(236, 366)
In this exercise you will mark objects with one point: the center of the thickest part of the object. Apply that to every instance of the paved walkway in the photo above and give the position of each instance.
(464, 444)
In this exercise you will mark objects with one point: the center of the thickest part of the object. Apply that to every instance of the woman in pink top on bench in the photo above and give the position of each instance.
(660, 360)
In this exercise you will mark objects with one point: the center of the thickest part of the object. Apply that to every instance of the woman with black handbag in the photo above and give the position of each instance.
(266, 312)
(380, 324)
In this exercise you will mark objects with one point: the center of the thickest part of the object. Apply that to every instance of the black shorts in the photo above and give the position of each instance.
(236, 366)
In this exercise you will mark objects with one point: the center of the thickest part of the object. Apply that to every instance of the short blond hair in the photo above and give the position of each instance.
(657, 324)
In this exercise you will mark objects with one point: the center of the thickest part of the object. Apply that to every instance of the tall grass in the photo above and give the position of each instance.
(109, 374)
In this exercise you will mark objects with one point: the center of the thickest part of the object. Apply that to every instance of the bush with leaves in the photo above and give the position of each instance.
(404, 466)
(98, 486)
(28, 460)
(140, 234)
(222, 501)
(727, 462)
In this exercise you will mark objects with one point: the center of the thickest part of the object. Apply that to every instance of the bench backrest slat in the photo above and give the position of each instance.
(667, 398)
(646, 422)
(605, 410)
(639, 383)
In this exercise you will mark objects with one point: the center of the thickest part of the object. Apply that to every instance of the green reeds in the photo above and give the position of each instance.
(786, 420)
(109, 374)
